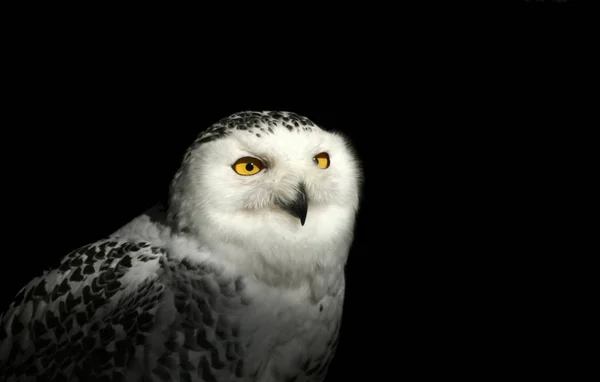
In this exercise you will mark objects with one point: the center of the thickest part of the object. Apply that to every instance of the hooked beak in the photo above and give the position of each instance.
(298, 206)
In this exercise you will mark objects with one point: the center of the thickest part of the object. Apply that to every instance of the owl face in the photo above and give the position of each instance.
(269, 187)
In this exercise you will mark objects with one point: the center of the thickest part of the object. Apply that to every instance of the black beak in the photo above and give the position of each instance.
(297, 207)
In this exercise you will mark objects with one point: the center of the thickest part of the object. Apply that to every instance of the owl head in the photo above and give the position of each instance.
(270, 190)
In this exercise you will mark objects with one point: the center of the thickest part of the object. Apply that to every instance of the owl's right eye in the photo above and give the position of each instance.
(248, 166)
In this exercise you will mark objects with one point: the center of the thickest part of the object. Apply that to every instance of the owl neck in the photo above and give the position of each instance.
(281, 265)
(317, 271)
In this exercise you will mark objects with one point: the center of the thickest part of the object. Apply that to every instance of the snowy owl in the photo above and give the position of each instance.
(239, 277)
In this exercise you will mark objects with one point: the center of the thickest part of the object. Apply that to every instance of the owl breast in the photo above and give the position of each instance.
(302, 334)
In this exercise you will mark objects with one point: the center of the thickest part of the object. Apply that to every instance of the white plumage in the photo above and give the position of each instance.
(239, 278)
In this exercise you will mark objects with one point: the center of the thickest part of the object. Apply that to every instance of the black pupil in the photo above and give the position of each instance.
(249, 167)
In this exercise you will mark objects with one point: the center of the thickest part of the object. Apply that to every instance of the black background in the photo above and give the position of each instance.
(451, 125)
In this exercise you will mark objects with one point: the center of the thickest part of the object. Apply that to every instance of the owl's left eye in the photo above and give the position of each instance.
(248, 166)
(321, 160)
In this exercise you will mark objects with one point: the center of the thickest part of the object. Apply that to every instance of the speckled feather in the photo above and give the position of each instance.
(93, 318)
(84, 319)
(256, 123)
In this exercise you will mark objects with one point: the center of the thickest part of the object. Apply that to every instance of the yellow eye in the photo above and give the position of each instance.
(322, 160)
(248, 166)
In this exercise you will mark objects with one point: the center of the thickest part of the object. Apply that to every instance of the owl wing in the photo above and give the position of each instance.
(83, 319)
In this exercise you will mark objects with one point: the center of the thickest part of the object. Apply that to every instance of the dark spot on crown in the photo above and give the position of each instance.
(247, 120)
